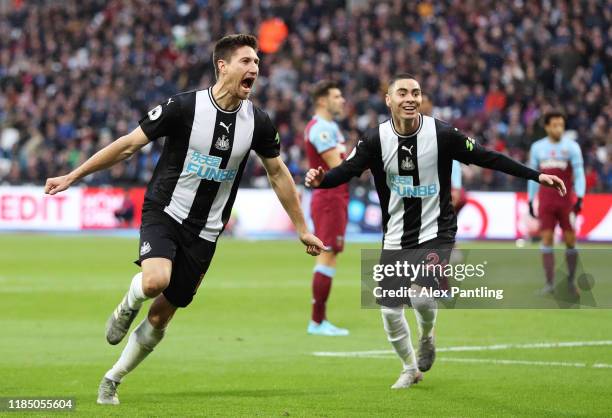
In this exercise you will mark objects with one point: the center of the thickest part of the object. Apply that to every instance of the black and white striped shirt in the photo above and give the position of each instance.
(412, 175)
(204, 155)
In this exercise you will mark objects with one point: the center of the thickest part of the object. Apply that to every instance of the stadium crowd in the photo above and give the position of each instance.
(76, 74)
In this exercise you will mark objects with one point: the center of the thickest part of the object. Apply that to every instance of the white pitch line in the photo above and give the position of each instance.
(470, 348)
(602, 366)
(391, 355)
(506, 361)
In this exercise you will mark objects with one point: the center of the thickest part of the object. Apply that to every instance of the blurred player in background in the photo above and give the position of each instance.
(562, 157)
(410, 157)
(325, 148)
(210, 134)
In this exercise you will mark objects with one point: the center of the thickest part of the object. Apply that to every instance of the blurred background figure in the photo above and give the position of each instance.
(67, 66)
(125, 214)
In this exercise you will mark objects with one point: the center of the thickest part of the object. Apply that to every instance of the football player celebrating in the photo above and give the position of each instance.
(209, 135)
(410, 157)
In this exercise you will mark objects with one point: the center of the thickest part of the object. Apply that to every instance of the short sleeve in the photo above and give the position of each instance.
(162, 120)
(266, 140)
(322, 137)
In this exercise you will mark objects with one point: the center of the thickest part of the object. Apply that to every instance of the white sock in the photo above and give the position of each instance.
(142, 341)
(425, 310)
(398, 334)
(136, 295)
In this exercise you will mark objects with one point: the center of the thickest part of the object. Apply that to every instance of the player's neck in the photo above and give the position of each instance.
(224, 99)
(553, 140)
(405, 127)
(324, 114)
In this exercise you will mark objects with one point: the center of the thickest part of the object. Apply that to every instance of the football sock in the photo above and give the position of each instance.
(136, 295)
(398, 334)
(141, 342)
(425, 310)
(321, 286)
(571, 257)
(548, 259)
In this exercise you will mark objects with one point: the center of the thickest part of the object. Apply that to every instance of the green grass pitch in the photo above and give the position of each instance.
(241, 349)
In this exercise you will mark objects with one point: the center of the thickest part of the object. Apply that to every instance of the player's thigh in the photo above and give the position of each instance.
(548, 217)
(434, 254)
(330, 218)
(191, 263)
(565, 215)
(158, 243)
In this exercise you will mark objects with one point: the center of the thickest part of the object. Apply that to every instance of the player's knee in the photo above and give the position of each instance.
(154, 281)
(423, 304)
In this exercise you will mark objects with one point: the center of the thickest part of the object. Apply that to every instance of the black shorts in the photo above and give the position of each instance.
(435, 252)
(161, 236)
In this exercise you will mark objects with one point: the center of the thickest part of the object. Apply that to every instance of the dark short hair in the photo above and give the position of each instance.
(225, 47)
(552, 115)
(322, 88)
(400, 76)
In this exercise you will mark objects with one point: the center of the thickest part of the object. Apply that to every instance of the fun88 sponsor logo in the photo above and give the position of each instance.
(206, 167)
(403, 186)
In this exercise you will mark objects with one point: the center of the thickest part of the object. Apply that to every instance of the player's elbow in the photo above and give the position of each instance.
(127, 147)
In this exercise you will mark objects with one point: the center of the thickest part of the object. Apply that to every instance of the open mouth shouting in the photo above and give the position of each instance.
(247, 83)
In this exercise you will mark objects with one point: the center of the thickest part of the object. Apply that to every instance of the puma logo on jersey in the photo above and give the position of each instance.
(227, 127)
(405, 148)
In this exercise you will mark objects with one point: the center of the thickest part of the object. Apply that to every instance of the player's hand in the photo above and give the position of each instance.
(314, 245)
(531, 211)
(55, 185)
(314, 177)
(578, 206)
(553, 181)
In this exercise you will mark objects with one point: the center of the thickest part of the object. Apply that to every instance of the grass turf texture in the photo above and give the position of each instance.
(241, 349)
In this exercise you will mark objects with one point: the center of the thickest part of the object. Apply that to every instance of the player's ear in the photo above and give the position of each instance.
(388, 100)
(321, 102)
(221, 67)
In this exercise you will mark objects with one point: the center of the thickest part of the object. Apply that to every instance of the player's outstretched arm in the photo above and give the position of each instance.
(468, 151)
(284, 187)
(114, 152)
(355, 164)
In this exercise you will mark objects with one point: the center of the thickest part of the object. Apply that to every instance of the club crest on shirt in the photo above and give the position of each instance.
(407, 164)
(145, 248)
(222, 143)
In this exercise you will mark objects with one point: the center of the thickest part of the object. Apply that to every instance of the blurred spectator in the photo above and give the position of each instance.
(125, 214)
(76, 74)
